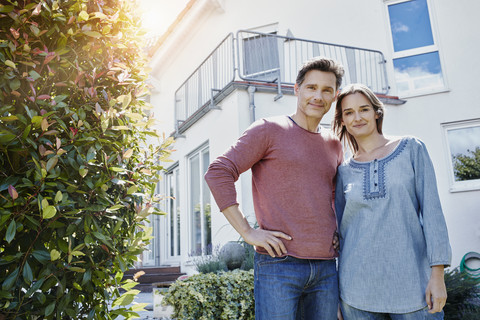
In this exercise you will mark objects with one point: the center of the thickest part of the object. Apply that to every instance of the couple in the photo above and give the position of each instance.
(393, 238)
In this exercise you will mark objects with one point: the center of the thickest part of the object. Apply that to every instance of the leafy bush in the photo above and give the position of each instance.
(227, 295)
(77, 174)
(214, 260)
(208, 260)
(208, 264)
(463, 302)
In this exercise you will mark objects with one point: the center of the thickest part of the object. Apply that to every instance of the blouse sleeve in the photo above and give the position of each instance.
(430, 208)
(225, 170)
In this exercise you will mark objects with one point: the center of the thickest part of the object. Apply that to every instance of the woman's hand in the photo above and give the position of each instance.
(336, 242)
(339, 313)
(436, 292)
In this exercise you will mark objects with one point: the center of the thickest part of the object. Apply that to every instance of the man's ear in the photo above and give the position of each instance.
(295, 89)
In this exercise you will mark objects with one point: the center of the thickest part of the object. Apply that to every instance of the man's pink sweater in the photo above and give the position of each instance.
(293, 177)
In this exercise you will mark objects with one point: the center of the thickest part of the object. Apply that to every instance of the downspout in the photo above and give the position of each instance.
(251, 105)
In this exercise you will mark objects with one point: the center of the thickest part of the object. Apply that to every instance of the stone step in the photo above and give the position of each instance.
(159, 277)
(166, 269)
(155, 275)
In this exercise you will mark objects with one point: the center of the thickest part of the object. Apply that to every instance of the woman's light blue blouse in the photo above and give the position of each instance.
(392, 229)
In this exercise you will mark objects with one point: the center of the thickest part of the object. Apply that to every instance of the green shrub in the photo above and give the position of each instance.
(463, 302)
(227, 295)
(77, 175)
(208, 260)
(208, 264)
(212, 260)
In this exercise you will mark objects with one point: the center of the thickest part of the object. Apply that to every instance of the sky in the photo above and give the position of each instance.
(410, 25)
(157, 15)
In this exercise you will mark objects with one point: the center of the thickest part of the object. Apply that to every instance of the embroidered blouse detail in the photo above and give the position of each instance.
(374, 173)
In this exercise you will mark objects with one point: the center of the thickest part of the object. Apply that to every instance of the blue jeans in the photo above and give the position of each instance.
(288, 288)
(351, 313)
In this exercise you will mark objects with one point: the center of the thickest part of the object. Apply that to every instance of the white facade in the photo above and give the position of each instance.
(445, 106)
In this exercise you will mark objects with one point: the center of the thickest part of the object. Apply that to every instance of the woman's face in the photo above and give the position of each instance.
(358, 116)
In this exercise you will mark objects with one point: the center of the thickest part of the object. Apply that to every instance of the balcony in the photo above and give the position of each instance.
(271, 62)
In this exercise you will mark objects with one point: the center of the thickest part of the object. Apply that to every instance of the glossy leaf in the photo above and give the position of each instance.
(49, 212)
(27, 273)
(54, 255)
(12, 228)
(10, 280)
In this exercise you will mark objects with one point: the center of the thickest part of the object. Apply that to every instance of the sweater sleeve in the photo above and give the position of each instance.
(431, 214)
(339, 199)
(225, 170)
(339, 151)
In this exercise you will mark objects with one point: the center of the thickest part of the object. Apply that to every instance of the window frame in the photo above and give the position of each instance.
(458, 186)
(173, 173)
(435, 47)
(205, 250)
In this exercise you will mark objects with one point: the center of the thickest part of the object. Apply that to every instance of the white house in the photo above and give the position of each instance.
(224, 63)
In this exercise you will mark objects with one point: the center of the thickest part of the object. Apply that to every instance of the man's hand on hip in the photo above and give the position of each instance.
(269, 240)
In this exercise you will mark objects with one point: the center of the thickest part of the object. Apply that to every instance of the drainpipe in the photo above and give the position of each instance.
(251, 106)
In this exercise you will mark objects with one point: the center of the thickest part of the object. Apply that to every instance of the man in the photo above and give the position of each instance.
(293, 167)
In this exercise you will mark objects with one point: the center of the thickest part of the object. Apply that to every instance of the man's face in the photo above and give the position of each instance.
(316, 94)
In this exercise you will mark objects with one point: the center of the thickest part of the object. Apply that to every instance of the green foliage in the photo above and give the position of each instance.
(212, 260)
(208, 260)
(207, 264)
(463, 302)
(467, 166)
(78, 172)
(227, 295)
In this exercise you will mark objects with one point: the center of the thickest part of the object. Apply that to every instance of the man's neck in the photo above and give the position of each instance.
(309, 124)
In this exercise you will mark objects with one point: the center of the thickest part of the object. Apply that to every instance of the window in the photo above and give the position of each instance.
(463, 144)
(416, 59)
(173, 210)
(199, 203)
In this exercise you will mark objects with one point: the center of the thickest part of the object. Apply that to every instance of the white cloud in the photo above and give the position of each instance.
(399, 27)
(417, 78)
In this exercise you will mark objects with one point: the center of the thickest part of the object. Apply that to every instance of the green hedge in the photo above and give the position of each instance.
(77, 170)
(227, 295)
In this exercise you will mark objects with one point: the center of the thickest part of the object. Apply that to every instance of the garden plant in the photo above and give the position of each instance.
(79, 160)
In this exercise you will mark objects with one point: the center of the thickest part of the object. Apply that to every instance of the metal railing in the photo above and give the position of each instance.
(206, 82)
(268, 58)
(274, 58)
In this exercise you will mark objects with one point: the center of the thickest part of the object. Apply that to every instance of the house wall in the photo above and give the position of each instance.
(422, 116)
(349, 22)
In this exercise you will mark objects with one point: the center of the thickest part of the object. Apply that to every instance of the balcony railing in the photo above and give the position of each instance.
(268, 58)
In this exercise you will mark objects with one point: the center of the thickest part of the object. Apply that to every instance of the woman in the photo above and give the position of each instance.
(393, 237)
